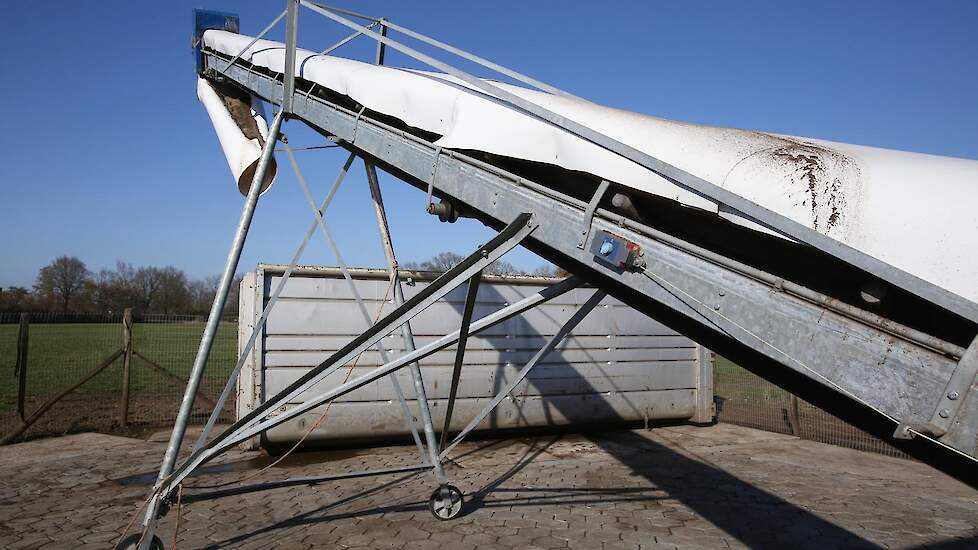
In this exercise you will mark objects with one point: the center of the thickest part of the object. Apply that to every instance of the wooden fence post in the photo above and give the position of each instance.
(126, 362)
(20, 368)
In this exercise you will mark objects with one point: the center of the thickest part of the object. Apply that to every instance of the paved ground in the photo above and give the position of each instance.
(684, 487)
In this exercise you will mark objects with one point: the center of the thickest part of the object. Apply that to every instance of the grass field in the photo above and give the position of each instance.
(60, 354)
(733, 382)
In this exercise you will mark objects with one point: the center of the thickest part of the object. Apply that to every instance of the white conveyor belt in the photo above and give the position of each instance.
(914, 211)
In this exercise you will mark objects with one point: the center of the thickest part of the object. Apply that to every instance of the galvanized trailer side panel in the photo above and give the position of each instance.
(618, 365)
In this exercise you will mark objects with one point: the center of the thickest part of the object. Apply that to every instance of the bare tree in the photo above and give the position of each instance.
(444, 261)
(173, 293)
(200, 294)
(16, 299)
(502, 267)
(61, 280)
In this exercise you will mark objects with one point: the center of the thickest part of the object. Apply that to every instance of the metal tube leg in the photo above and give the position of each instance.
(213, 320)
(406, 333)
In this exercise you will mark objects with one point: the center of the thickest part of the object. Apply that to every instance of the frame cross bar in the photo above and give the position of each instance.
(509, 237)
(267, 310)
(486, 322)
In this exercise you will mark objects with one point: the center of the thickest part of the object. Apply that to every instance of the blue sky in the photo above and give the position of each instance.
(108, 156)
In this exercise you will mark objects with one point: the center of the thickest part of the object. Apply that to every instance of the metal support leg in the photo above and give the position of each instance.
(562, 333)
(210, 329)
(406, 334)
(446, 501)
(463, 335)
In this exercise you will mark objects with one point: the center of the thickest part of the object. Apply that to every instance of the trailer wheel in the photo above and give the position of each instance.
(132, 542)
(443, 508)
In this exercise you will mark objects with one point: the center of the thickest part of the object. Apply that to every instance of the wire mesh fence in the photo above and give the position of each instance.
(63, 350)
(748, 400)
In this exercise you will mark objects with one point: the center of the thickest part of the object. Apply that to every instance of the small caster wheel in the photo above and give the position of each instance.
(445, 508)
(132, 542)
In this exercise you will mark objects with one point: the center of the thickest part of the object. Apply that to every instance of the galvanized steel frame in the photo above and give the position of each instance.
(803, 334)
(257, 422)
(827, 342)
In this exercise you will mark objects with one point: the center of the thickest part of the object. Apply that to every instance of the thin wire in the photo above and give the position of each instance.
(255, 40)
(135, 516)
(409, 418)
(332, 48)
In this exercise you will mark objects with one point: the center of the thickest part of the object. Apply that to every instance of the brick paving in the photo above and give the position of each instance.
(673, 487)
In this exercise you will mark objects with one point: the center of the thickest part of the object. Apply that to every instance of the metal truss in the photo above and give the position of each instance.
(445, 502)
(875, 372)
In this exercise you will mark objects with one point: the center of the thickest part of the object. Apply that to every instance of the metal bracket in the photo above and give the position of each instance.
(955, 392)
(589, 213)
(434, 174)
(906, 430)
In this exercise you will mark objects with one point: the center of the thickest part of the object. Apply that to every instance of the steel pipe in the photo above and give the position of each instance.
(210, 329)
(406, 333)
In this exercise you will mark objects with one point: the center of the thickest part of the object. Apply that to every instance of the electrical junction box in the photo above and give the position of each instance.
(210, 19)
(616, 251)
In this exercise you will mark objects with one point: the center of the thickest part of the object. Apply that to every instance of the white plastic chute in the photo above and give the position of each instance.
(910, 210)
(242, 140)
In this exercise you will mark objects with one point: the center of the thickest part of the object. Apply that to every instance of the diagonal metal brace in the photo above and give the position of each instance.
(554, 341)
(509, 237)
(589, 213)
(463, 335)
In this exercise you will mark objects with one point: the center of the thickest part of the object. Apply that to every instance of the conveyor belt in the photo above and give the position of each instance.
(873, 372)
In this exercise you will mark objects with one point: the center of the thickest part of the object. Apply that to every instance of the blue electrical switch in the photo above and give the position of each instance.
(616, 251)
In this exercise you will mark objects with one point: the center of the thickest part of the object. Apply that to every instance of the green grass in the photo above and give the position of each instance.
(734, 382)
(61, 354)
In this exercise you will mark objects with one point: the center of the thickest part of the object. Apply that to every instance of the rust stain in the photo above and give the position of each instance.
(819, 182)
(821, 171)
